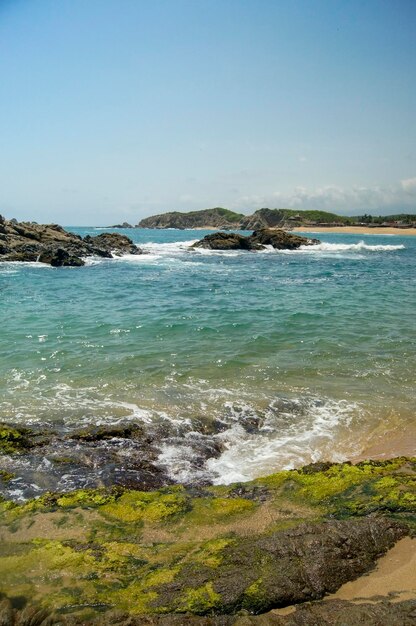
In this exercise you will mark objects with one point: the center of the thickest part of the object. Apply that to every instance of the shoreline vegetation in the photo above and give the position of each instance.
(358, 230)
(287, 219)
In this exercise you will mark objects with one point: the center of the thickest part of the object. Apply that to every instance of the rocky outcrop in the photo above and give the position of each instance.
(124, 455)
(112, 243)
(50, 243)
(123, 225)
(226, 241)
(207, 218)
(279, 239)
(288, 567)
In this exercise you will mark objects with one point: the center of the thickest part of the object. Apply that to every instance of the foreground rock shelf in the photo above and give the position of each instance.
(208, 555)
(51, 244)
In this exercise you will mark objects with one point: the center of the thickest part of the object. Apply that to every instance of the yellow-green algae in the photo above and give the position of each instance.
(11, 439)
(6, 476)
(254, 595)
(153, 507)
(199, 600)
(210, 552)
(138, 544)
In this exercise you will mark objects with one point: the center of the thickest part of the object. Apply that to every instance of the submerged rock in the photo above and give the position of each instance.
(50, 243)
(279, 239)
(122, 455)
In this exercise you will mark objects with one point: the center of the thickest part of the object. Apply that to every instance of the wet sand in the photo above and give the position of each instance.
(394, 578)
(388, 445)
(395, 574)
(355, 230)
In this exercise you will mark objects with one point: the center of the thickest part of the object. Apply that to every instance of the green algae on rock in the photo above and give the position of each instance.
(286, 538)
(13, 439)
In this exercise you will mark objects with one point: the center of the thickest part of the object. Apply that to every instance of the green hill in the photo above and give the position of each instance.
(217, 217)
(222, 218)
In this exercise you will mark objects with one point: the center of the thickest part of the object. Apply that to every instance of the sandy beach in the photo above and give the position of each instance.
(395, 574)
(387, 446)
(393, 579)
(356, 230)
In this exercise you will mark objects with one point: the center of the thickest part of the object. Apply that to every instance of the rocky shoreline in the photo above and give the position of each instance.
(51, 244)
(201, 554)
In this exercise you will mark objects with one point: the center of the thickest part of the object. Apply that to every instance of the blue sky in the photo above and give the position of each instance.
(116, 109)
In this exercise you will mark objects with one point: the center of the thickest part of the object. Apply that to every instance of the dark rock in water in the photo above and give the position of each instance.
(60, 258)
(113, 243)
(123, 225)
(50, 243)
(14, 439)
(101, 433)
(279, 239)
(225, 241)
(122, 455)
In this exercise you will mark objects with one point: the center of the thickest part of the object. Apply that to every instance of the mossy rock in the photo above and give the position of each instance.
(13, 440)
(289, 537)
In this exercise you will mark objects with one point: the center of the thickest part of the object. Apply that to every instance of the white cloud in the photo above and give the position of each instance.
(394, 198)
(409, 184)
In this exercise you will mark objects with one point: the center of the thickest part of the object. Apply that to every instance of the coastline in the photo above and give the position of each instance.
(349, 230)
(356, 230)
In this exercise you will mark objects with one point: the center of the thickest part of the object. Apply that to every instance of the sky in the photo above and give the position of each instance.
(113, 110)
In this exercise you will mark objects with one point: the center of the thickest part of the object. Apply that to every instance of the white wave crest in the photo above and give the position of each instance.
(170, 248)
(290, 433)
(361, 246)
(302, 432)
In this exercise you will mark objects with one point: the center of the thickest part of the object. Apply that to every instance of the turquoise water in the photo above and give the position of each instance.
(282, 357)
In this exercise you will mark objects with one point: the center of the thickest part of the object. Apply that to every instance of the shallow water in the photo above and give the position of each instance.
(281, 358)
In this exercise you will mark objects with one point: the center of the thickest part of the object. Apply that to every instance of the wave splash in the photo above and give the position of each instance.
(242, 442)
(183, 250)
(251, 443)
(351, 247)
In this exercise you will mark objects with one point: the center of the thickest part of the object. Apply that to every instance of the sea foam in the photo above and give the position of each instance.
(351, 247)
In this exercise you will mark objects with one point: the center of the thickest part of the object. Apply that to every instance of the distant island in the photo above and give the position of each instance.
(220, 218)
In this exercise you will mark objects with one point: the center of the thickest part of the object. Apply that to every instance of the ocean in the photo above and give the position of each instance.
(244, 362)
